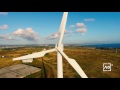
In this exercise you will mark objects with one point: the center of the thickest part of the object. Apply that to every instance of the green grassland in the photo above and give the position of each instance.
(91, 61)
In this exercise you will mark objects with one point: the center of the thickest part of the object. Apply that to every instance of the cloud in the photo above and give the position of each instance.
(81, 30)
(80, 24)
(28, 34)
(69, 35)
(68, 31)
(6, 37)
(56, 35)
(3, 13)
(53, 36)
(89, 19)
(72, 26)
(3, 27)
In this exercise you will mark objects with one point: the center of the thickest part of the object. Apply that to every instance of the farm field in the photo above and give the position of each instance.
(90, 59)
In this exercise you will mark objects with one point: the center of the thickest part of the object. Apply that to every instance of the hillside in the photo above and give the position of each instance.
(90, 59)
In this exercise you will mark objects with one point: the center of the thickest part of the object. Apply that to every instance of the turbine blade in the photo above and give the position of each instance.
(62, 27)
(59, 65)
(74, 64)
(34, 55)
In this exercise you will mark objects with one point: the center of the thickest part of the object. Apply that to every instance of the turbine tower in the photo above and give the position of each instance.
(59, 49)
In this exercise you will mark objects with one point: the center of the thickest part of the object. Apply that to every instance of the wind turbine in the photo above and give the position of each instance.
(59, 49)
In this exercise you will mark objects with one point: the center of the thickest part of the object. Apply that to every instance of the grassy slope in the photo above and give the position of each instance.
(91, 61)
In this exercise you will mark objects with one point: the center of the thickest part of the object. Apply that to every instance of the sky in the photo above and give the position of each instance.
(43, 28)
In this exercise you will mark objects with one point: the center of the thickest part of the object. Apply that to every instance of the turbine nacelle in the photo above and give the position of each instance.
(61, 47)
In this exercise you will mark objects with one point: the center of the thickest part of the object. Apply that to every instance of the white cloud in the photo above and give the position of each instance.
(80, 24)
(72, 26)
(3, 13)
(89, 19)
(3, 27)
(19, 32)
(53, 36)
(57, 35)
(6, 37)
(68, 31)
(28, 34)
(81, 30)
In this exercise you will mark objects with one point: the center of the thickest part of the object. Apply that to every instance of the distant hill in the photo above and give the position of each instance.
(42, 45)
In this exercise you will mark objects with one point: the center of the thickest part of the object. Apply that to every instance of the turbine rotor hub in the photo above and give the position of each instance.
(61, 47)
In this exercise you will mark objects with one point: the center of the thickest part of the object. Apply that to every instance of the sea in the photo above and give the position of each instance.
(104, 45)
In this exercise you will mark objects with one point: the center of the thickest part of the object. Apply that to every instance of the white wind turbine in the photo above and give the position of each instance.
(59, 49)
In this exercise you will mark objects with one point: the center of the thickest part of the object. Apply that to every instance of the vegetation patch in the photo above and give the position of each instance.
(90, 60)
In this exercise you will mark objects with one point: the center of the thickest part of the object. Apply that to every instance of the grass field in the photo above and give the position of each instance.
(91, 61)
